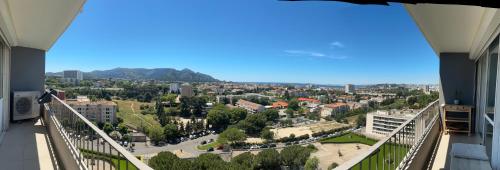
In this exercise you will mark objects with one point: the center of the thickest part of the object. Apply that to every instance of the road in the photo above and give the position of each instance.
(187, 146)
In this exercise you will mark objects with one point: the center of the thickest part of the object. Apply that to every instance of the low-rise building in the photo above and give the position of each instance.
(334, 109)
(250, 106)
(280, 105)
(384, 122)
(98, 111)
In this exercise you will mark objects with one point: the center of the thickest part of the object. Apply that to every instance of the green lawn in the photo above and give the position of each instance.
(118, 162)
(123, 164)
(130, 112)
(205, 147)
(349, 138)
(393, 154)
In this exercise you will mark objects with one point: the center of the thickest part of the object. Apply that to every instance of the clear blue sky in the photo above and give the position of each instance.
(250, 40)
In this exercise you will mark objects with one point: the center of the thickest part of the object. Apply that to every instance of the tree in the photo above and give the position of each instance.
(209, 161)
(267, 159)
(126, 137)
(271, 114)
(232, 135)
(198, 104)
(294, 156)
(163, 160)
(361, 121)
(267, 135)
(115, 135)
(122, 128)
(156, 134)
(294, 105)
(218, 117)
(237, 114)
(185, 106)
(311, 164)
(171, 132)
(245, 159)
(253, 124)
(169, 98)
(108, 128)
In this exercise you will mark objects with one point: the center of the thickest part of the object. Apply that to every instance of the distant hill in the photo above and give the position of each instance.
(165, 74)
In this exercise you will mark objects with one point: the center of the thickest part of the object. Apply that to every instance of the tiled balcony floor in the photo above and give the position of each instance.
(442, 159)
(26, 146)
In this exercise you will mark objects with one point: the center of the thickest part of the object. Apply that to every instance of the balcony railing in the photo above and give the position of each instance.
(86, 145)
(398, 149)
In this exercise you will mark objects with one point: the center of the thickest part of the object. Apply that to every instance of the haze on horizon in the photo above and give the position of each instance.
(250, 41)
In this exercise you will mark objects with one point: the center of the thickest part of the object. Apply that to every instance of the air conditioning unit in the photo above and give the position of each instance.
(25, 105)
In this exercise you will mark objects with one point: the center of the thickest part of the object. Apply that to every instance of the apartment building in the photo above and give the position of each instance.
(334, 109)
(187, 90)
(383, 122)
(174, 88)
(251, 107)
(72, 76)
(349, 88)
(466, 41)
(95, 111)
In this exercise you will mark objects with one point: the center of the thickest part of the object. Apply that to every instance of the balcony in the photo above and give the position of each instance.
(419, 143)
(407, 147)
(63, 139)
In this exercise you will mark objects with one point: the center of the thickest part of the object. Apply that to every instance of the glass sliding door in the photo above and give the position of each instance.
(3, 115)
(480, 92)
(489, 114)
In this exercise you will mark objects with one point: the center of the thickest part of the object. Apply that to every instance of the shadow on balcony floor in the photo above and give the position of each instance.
(26, 145)
(442, 159)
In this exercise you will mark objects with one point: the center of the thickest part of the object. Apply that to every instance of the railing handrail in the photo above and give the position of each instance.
(136, 162)
(352, 162)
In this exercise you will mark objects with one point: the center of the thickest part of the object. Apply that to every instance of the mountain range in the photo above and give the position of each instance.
(164, 74)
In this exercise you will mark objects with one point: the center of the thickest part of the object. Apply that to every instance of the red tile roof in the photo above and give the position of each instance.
(280, 104)
(308, 100)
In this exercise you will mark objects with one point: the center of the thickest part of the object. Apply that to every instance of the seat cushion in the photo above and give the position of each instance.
(469, 151)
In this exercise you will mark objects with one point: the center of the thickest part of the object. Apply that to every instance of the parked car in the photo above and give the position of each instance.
(264, 146)
(210, 149)
(272, 145)
(204, 142)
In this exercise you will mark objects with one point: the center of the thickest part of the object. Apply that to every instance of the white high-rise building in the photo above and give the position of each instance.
(72, 76)
(174, 88)
(349, 88)
(384, 122)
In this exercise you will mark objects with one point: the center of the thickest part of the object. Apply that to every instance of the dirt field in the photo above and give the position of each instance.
(285, 132)
(307, 129)
(329, 153)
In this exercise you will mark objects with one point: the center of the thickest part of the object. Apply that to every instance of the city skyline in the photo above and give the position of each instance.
(289, 42)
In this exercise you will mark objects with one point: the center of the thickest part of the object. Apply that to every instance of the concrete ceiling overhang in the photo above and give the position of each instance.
(455, 28)
(36, 23)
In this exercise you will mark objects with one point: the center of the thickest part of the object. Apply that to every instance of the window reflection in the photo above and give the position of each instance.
(492, 77)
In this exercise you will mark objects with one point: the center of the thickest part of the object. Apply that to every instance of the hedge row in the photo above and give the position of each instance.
(292, 138)
(330, 131)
